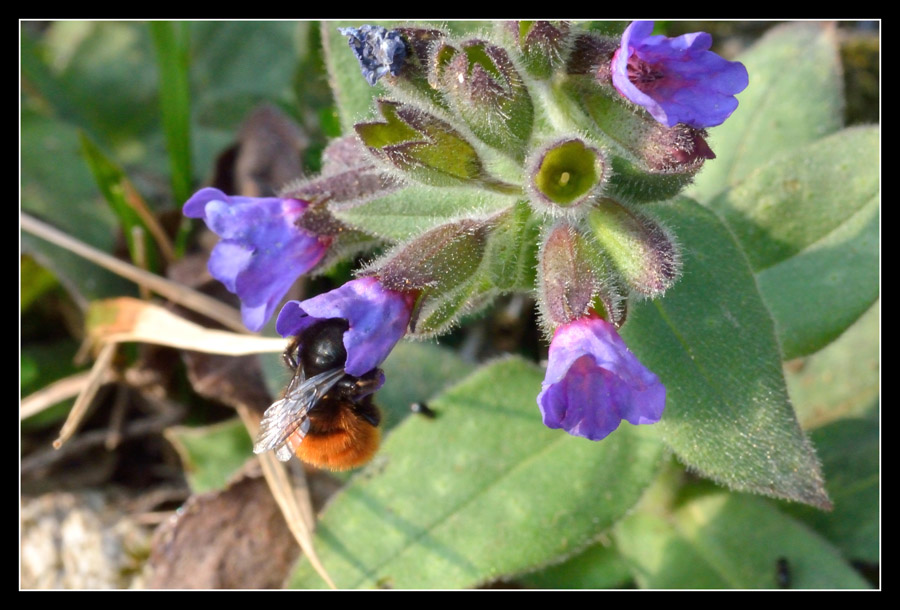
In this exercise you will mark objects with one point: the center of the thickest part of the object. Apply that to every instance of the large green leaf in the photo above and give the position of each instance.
(842, 380)
(790, 204)
(722, 540)
(660, 558)
(417, 208)
(712, 343)
(599, 567)
(415, 372)
(850, 458)
(106, 69)
(482, 491)
(809, 225)
(840, 270)
(794, 98)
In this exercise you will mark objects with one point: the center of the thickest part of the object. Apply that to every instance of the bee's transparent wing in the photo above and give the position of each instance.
(289, 415)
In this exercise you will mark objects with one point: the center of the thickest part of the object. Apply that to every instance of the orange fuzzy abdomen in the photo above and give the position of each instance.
(339, 440)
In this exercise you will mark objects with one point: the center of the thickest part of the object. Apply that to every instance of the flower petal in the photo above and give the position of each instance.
(262, 251)
(678, 80)
(378, 318)
(593, 382)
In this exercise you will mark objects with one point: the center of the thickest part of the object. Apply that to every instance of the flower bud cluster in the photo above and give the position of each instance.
(539, 143)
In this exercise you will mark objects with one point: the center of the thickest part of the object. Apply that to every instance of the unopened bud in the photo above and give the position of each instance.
(567, 283)
(424, 147)
(659, 162)
(442, 266)
(592, 54)
(642, 251)
(565, 175)
(487, 92)
(438, 260)
(675, 149)
(543, 45)
(414, 76)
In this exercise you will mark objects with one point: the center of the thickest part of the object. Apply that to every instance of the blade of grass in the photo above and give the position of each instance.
(172, 42)
(127, 204)
(86, 397)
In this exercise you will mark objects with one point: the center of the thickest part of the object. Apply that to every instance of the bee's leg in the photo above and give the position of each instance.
(356, 388)
(288, 355)
(368, 411)
(369, 383)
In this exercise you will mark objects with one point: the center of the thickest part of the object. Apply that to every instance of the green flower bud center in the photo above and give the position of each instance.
(567, 172)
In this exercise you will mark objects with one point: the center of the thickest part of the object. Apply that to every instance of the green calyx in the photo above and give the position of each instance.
(567, 172)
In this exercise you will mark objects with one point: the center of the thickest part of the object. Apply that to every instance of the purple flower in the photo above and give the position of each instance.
(262, 251)
(678, 80)
(378, 50)
(593, 382)
(377, 317)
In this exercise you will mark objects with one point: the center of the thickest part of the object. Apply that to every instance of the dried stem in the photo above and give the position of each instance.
(297, 512)
(177, 293)
(86, 398)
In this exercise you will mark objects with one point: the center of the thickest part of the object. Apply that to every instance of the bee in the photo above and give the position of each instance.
(326, 417)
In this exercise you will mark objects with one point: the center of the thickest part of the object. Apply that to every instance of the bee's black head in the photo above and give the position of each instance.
(322, 346)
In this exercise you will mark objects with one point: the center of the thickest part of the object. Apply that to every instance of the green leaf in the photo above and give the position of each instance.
(416, 208)
(841, 380)
(210, 455)
(42, 88)
(119, 193)
(794, 98)
(236, 66)
(105, 71)
(172, 42)
(809, 224)
(599, 567)
(58, 187)
(712, 343)
(40, 365)
(791, 203)
(482, 491)
(660, 558)
(724, 540)
(850, 457)
(35, 282)
(415, 372)
(840, 270)
(511, 258)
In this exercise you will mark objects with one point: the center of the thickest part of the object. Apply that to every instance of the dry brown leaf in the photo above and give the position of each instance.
(234, 538)
(126, 319)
